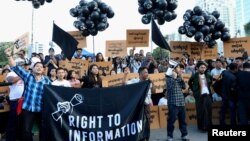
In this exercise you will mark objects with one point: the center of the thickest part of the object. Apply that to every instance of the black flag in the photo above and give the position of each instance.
(158, 38)
(65, 41)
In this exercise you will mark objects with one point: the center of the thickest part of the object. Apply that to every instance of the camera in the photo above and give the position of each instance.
(2, 98)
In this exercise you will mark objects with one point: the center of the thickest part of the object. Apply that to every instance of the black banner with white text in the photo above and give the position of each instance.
(99, 114)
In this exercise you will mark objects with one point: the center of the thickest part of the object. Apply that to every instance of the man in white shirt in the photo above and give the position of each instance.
(60, 81)
(218, 68)
(143, 75)
(16, 92)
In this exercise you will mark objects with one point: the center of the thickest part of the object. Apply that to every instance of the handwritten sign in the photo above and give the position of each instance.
(116, 48)
(209, 53)
(82, 42)
(186, 78)
(154, 117)
(78, 65)
(179, 48)
(117, 79)
(196, 49)
(235, 47)
(113, 80)
(103, 67)
(21, 43)
(191, 116)
(159, 81)
(138, 38)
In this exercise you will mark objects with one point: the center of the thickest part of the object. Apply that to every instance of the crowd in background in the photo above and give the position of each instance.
(234, 71)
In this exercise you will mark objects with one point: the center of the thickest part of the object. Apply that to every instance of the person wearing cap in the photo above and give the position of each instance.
(200, 84)
(176, 101)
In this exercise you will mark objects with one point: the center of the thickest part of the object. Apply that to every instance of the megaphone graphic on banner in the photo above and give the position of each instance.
(67, 106)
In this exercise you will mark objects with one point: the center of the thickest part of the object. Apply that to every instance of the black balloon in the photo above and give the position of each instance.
(91, 16)
(197, 10)
(225, 36)
(198, 36)
(205, 29)
(158, 9)
(145, 19)
(216, 14)
(160, 21)
(211, 43)
(182, 30)
(204, 26)
(73, 12)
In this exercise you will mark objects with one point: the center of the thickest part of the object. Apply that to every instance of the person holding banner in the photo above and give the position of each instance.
(143, 75)
(200, 84)
(33, 94)
(176, 102)
(93, 79)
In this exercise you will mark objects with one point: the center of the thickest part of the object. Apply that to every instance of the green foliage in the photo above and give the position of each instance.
(247, 28)
(160, 53)
(3, 46)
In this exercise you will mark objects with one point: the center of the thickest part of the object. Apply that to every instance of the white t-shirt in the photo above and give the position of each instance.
(204, 89)
(216, 71)
(148, 100)
(64, 83)
(16, 89)
(163, 101)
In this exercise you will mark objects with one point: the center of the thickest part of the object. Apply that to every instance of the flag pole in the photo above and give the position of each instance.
(94, 45)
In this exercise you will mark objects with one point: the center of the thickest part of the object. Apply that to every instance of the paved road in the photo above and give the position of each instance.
(161, 135)
(193, 133)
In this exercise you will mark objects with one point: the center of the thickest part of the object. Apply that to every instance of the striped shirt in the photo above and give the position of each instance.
(174, 92)
(33, 89)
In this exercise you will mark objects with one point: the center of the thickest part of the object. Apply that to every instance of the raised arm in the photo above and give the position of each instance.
(8, 53)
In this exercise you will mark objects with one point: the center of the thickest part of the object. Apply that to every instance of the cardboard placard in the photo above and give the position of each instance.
(116, 48)
(209, 53)
(2, 78)
(186, 78)
(137, 38)
(163, 116)
(159, 81)
(21, 42)
(154, 117)
(117, 79)
(82, 42)
(113, 80)
(196, 50)
(179, 48)
(191, 116)
(78, 65)
(235, 47)
(103, 66)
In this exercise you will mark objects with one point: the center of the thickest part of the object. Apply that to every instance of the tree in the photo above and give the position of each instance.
(160, 53)
(3, 46)
(247, 28)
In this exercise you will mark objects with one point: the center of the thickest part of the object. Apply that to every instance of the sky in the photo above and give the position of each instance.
(16, 19)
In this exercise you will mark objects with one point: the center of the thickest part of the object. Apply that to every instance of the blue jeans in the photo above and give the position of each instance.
(225, 104)
(173, 113)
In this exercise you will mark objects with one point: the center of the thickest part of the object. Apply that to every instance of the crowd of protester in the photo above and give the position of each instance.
(25, 72)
